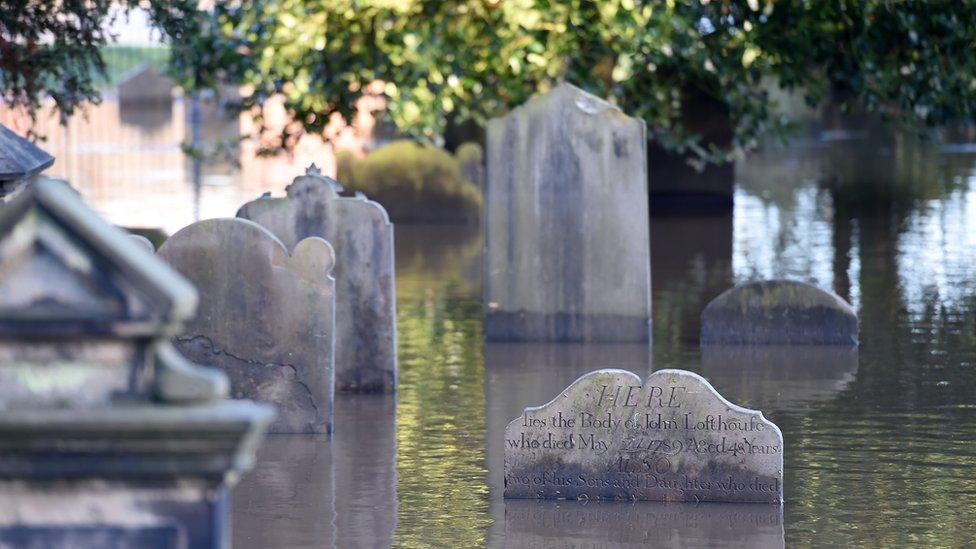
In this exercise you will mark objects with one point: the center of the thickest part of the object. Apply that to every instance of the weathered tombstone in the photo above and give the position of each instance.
(108, 436)
(20, 161)
(265, 318)
(361, 232)
(672, 438)
(531, 524)
(772, 312)
(567, 248)
(519, 372)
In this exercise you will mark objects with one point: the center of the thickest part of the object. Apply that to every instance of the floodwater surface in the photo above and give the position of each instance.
(880, 442)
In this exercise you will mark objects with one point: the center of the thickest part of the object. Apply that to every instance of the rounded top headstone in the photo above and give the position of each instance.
(783, 312)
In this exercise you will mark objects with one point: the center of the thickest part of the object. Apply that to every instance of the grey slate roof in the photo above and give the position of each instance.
(19, 157)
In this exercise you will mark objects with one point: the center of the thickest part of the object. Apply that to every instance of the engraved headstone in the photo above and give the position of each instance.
(362, 235)
(109, 436)
(567, 252)
(670, 438)
(265, 318)
(786, 312)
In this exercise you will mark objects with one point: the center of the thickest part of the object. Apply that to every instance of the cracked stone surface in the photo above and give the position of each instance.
(266, 318)
(670, 438)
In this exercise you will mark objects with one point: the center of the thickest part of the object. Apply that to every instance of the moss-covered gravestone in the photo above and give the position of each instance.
(567, 251)
(669, 438)
(362, 235)
(108, 436)
(266, 317)
(778, 312)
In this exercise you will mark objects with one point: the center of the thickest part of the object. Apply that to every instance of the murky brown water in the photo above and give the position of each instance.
(880, 443)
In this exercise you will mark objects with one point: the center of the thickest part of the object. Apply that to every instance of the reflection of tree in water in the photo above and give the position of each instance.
(898, 441)
(441, 486)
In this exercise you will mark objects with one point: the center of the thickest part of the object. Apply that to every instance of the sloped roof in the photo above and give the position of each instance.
(19, 157)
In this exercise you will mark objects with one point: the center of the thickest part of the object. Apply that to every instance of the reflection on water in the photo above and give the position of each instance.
(880, 447)
(775, 378)
(575, 524)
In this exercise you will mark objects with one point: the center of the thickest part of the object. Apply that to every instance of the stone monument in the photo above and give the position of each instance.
(265, 318)
(778, 312)
(110, 438)
(567, 252)
(361, 232)
(671, 438)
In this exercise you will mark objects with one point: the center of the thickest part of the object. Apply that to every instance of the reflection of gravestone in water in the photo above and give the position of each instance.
(671, 438)
(566, 223)
(784, 312)
(362, 235)
(364, 450)
(575, 524)
(265, 318)
(312, 491)
(778, 377)
(288, 500)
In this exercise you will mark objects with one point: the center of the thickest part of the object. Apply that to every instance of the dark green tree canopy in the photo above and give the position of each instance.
(910, 61)
(53, 48)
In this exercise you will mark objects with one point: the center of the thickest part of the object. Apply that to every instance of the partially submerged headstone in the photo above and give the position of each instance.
(785, 312)
(567, 252)
(20, 161)
(672, 438)
(109, 437)
(265, 318)
(362, 235)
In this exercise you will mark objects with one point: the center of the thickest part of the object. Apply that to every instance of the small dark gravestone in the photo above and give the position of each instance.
(108, 436)
(265, 318)
(672, 438)
(361, 232)
(786, 312)
(567, 251)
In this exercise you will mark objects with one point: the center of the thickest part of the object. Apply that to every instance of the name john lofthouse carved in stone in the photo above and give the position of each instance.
(672, 438)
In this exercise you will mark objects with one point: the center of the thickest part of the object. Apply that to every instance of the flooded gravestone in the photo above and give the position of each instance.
(567, 252)
(108, 436)
(778, 312)
(671, 438)
(361, 232)
(265, 318)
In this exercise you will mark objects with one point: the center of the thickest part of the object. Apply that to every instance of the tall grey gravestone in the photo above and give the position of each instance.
(361, 232)
(265, 318)
(670, 438)
(567, 235)
(778, 312)
(110, 438)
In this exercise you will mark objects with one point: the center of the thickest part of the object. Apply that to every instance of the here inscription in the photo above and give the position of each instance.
(671, 438)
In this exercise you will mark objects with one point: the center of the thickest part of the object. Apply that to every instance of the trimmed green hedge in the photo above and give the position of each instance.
(415, 183)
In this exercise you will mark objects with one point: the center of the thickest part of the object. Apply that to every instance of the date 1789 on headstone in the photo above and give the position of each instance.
(671, 438)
